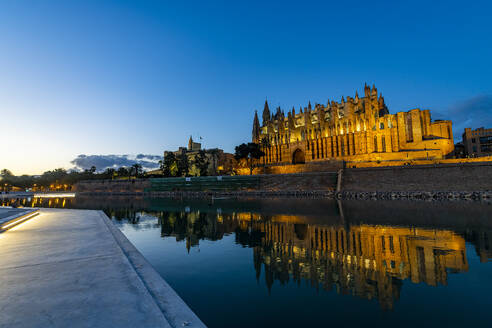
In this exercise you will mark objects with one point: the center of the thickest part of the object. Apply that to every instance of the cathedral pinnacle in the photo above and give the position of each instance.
(266, 113)
(256, 128)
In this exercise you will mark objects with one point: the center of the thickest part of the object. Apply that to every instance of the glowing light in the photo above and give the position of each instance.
(56, 195)
(18, 221)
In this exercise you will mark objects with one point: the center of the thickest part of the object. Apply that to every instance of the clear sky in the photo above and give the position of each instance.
(138, 77)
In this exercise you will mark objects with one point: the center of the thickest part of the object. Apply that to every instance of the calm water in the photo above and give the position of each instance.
(296, 263)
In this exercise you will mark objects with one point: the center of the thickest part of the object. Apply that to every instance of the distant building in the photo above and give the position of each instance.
(219, 162)
(477, 142)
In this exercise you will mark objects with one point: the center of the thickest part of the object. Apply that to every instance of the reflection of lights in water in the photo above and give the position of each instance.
(56, 195)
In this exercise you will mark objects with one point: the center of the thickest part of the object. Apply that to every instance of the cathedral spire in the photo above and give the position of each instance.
(367, 90)
(256, 128)
(309, 105)
(266, 113)
(374, 91)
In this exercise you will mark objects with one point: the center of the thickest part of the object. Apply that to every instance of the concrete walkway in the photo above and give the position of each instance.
(74, 268)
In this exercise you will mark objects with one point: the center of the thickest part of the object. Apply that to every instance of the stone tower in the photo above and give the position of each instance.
(190, 143)
(256, 129)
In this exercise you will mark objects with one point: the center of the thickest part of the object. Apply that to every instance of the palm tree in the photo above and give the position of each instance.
(137, 169)
(110, 172)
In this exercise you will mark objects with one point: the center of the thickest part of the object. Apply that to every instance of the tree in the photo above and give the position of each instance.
(248, 152)
(6, 173)
(168, 163)
(201, 163)
(122, 172)
(183, 165)
(109, 173)
(136, 169)
(214, 152)
(7, 178)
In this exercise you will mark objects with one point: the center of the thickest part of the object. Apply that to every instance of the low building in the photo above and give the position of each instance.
(478, 142)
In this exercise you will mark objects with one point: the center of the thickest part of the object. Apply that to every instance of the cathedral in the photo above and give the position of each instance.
(358, 129)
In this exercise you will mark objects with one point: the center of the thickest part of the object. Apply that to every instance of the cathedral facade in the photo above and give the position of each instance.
(358, 129)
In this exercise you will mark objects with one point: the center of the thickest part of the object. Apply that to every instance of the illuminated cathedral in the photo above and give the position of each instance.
(356, 129)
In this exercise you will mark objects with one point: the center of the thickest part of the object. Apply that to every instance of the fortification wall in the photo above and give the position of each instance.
(443, 177)
(319, 166)
(112, 186)
(462, 177)
(319, 181)
(299, 182)
(400, 162)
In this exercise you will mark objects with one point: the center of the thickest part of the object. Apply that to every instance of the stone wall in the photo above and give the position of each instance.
(319, 181)
(469, 177)
(299, 182)
(112, 186)
(445, 177)
(320, 166)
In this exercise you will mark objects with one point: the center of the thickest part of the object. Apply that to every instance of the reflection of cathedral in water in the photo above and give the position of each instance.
(361, 260)
(367, 261)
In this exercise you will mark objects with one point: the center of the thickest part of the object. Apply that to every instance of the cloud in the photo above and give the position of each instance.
(471, 113)
(149, 157)
(102, 162)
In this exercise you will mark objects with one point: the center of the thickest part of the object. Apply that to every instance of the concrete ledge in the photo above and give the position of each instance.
(176, 311)
(19, 216)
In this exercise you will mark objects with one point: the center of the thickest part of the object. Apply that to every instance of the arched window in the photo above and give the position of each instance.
(381, 125)
(383, 144)
(375, 144)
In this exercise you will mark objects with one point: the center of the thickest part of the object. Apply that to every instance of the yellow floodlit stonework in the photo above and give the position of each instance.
(358, 129)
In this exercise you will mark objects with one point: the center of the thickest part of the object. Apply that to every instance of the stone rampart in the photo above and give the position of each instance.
(319, 181)
(444, 181)
(113, 186)
(443, 177)
(319, 166)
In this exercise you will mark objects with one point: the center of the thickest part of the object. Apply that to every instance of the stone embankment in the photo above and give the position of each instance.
(416, 195)
(363, 195)
(446, 181)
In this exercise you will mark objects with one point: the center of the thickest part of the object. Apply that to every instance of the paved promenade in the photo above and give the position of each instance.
(74, 268)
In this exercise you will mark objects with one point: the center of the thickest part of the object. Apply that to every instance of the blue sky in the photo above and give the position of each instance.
(138, 77)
